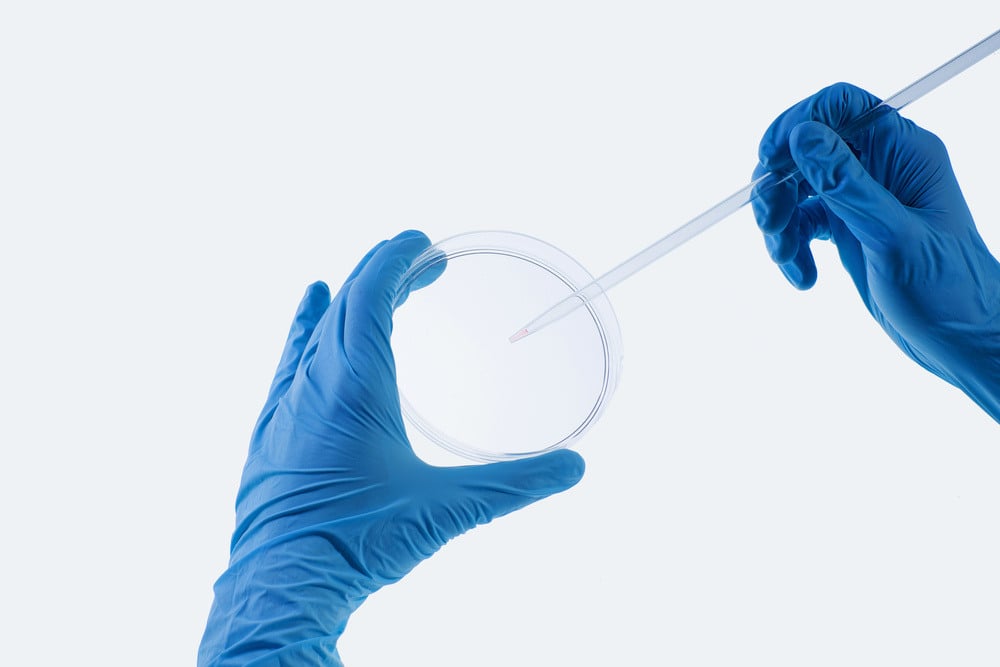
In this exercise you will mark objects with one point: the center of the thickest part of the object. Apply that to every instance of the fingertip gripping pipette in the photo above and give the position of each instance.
(749, 192)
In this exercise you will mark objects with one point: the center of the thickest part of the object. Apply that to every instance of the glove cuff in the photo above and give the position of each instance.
(284, 603)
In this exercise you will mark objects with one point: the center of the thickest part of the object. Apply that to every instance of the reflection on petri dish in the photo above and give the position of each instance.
(463, 386)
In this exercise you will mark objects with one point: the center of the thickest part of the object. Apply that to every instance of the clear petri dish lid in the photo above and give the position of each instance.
(465, 389)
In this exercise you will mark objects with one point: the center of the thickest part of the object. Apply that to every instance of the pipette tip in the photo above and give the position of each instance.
(518, 336)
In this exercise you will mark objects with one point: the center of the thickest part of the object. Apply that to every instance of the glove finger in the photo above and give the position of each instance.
(322, 363)
(774, 200)
(790, 249)
(332, 313)
(310, 311)
(364, 262)
(334, 326)
(370, 303)
(801, 270)
(478, 494)
(783, 247)
(872, 214)
(330, 316)
(835, 106)
(435, 264)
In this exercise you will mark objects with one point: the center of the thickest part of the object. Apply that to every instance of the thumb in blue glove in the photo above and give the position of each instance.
(333, 503)
(887, 196)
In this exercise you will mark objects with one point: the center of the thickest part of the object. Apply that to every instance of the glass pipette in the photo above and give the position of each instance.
(749, 192)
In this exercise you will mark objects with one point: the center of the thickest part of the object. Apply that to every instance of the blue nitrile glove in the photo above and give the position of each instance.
(333, 503)
(888, 198)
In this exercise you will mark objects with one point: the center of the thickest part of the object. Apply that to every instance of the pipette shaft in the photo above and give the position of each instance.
(749, 192)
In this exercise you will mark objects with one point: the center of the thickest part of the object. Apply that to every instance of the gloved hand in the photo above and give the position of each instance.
(887, 196)
(333, 503)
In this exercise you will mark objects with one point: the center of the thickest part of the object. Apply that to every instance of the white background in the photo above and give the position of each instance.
(774, 483)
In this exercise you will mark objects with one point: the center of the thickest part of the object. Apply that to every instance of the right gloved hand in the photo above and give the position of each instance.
(887, 196)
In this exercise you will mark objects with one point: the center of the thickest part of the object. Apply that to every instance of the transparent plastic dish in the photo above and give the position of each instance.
(465, 389)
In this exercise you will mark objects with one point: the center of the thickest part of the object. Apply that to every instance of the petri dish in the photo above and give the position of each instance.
(466, 391)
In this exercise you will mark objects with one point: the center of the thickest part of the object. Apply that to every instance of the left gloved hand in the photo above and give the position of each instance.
(333, 503)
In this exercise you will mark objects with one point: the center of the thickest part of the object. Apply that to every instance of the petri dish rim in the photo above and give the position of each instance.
(560, 266)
